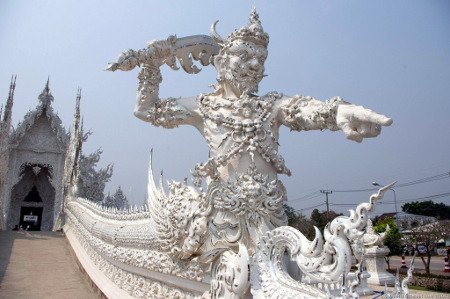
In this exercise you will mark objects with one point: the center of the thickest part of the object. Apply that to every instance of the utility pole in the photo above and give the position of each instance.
(326, 192)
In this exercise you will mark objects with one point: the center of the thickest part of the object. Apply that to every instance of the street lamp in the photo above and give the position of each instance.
(395, 199)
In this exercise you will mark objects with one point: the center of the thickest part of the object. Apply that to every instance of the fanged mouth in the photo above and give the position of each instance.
(248, 76)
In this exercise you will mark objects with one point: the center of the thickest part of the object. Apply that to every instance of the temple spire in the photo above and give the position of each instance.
(76, 116)
(77, 125)
(47, 84)
(5, 129)
(72, 161)
(77, 133)
(7, 113)
(46, 96)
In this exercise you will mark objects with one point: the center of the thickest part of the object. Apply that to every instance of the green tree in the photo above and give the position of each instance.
(299, 221)
(320, 219)
(118, 200)
(393, 238)
(428, 208)
(92, 180)
(425, 237)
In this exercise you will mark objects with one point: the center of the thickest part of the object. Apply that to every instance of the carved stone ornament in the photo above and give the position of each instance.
(227, 231)
(374, 254)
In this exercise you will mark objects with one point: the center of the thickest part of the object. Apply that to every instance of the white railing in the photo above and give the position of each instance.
(118, 248)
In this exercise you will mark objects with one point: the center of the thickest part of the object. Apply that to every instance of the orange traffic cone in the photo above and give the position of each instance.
(447, 265)
(403, 262)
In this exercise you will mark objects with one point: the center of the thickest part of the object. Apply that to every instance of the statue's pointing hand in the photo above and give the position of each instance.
(358, 122)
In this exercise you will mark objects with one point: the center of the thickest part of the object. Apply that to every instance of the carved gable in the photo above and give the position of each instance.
(41, 138)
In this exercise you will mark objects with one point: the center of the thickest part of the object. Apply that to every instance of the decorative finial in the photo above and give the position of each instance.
(78, 100)
(12, 86)
(46, 97)
(254, 17)
(76, 115)
(47, 86)
(10, 101)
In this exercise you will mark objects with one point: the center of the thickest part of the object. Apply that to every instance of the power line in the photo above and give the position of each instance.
(309, 208)
(306, 197)
(426, 180)
(422, 198)
(434, 196)
(437, 177)
(316, 194)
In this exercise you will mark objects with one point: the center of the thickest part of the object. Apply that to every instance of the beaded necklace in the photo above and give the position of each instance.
(246, 127)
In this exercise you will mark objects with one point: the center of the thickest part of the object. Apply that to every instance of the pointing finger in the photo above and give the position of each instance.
(366, 115)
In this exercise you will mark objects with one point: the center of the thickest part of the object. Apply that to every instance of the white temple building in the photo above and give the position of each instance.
(32, 159)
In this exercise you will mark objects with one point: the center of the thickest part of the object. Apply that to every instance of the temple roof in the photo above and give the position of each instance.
(43, 109)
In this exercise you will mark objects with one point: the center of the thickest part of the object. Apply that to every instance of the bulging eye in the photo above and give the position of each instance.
(243, 54)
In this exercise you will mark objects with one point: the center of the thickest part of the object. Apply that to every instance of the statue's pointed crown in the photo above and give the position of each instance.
(253, 32)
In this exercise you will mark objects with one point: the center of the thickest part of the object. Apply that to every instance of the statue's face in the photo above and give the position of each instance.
(243, 66)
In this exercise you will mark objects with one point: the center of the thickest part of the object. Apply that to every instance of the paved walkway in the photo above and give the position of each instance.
(40, 265)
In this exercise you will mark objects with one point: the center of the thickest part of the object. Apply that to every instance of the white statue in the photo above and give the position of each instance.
(245, 197)
(231, 235)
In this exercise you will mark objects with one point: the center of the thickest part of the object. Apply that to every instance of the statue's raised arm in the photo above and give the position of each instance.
(170, 112)
(303, 113)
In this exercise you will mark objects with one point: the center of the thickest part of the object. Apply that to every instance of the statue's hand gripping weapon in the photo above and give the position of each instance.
(186, 49)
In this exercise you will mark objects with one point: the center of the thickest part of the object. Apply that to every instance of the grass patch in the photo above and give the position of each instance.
(420, 288)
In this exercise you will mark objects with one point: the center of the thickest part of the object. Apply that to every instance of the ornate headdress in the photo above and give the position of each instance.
(253, 33)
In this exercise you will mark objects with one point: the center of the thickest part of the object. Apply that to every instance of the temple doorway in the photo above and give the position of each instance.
(33, 199)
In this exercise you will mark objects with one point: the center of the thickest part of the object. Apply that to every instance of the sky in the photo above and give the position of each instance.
(390, 56)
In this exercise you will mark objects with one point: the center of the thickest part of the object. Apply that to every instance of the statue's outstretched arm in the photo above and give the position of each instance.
(302, 113)
(149, 107)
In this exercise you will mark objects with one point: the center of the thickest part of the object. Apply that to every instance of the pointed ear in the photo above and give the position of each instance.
(218, 61)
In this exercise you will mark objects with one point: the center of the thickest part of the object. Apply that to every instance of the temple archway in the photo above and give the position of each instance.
(33, 199)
